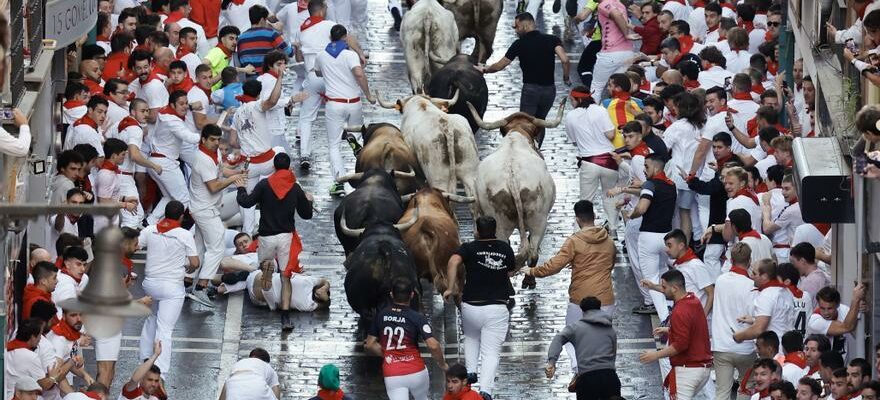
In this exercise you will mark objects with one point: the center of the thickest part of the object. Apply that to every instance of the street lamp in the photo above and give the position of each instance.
(105, 302)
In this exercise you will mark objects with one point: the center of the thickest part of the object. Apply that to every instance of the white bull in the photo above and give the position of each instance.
(430, 38)
(513, 183)
(443, 143)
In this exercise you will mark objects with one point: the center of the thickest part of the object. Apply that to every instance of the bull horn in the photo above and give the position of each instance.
(350, 177)
(353, 128)
(401, 174)
(458, 198)
(407, 197)
(384, 103)
(348, 231)
(406, 225)
(448, 102)
(485, 125)
(552, 124)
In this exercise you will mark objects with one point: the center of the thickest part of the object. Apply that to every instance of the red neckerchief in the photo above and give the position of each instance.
(823, 228)
(752, 127)
(728, 6)
(621, 95)
(168, 110)
(73, 104)
(688, 256)
(748, 193)
(62, 328)
(206, 91)
(860, 10)
(692, 84)
(237, 2)
(773, 67)
(772, 283)
(18, 344)
(154, 75)
(698, 4)
(310, 22)
(281, 182)
(109, 166)
(211, 154)
(797, 293)
(645, 86)
(65, 271)
(723, 160)
(465, 393)
(850, 396)
(182, 51)
(173, 16)
(687, 43)
(661, 176)
(167, 224)
(128, 122)
(813, 370)
(726, 109)
(58, 262)
(752, 233)
(737, 270)
(95, 88)
(267, 70)
(226, 52)
(749, 26)
(781, 129)
(102, 38)
(86, 120)
(186, 84)
(758, 88)
(743, 96)
(243, 98)
(252, 248)
(771, 152)
(641, 149)
(710, 30)
(128, 263)
(762, 188)
(768, 37)
(325, 394)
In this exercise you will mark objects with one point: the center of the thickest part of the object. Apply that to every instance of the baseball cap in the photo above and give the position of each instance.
(26, 384)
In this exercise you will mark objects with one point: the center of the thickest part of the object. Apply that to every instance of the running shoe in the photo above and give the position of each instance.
(337, 189)
(201, 297)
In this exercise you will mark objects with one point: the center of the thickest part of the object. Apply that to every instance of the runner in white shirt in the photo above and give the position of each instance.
(292, 16)
(313, 37)
(345, 81)
(740, 196)
(76, 95)
(589, 127)
(65, 339)
(145, 382)
(200, 95)
(682, 138)
(774, 306)
(835, 320)
(186, 52)
(116, 92)
(253, 136)
(739, 223)
(149, 85)
(131, 131)
(697, 278)
(782, 224)
(309, 293)
(734, 297)
(237, 13)
(179, 13)
(712, 13)
(107, 184)
(679, 9)
(22, 362)
(206, 184)
(86, 130)
(72, 278)
(713, 73)
(275, 61)
(167, 143)
(66, 223)
(795, 366)
(803, 300)
(252, 378)
(171, 253)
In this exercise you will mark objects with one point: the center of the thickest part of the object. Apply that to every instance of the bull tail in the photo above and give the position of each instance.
(522, 253)
(453, 164)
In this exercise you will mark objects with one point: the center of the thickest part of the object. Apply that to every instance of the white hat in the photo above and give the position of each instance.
(26, 384)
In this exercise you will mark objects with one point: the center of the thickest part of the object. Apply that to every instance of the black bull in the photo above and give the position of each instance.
(459, 74)
(374, 201)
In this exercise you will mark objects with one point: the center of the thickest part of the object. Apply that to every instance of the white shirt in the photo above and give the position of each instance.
(301, 295)
(803, 308)
(68, 227)
(313, 41)
(238, 16)
(819, 325)
(167, 254)
(204, 170)
(764, 164)
(678, 10)
(714, 76)
(275, 115)
(586, 128)
(737, 61)
(107, 184)
(252, 125)
(16, 147)
(192, 61)
(746, 203)
(697, 22)
(682, 139)
(152, 91)
(338, 76)
(696, 278)
(63, 348)
(711, 38)
(202, 46)
(70, 115)
(196, 94)
(776, 303)
(83, 133)
(115, 113)
(251, 379)
(756, 38)
(792, 373)
(810, 234)
(18, 364)
(132, 135)
(67, 288)
(734, 297)
(170, 135)
(761, 248)
(291, 19)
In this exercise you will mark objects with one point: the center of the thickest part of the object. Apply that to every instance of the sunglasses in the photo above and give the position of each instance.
(769, 24)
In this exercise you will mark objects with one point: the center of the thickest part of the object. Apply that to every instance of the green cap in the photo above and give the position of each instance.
(328, 378)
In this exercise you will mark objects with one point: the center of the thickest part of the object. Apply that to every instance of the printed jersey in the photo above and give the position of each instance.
(399, 329)
(803, 308)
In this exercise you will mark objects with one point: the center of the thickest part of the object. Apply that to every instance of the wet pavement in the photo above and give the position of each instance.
(207, 342)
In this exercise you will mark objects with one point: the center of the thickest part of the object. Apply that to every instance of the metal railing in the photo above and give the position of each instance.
(27, 26)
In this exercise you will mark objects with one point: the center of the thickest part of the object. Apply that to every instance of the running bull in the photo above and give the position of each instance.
(380, 258)
(374, 201)
(434, 238)
(477, 19)
(460, 75)
(385, 148)
(443, 143)
(430, 38)
(514, 185)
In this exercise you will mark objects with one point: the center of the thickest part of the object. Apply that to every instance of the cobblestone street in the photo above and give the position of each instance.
(207, 342)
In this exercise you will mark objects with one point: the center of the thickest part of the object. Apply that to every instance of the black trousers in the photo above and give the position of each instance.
(587, 61)
(602, 384)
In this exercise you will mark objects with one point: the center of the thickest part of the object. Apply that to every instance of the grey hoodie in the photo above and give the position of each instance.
(594, 340)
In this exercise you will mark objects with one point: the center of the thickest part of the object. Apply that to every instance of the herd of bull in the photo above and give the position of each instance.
(398, 222)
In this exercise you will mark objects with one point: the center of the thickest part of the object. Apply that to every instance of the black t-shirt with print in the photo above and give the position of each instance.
(486, 264)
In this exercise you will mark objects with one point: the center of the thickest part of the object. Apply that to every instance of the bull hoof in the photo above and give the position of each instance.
(529, 282)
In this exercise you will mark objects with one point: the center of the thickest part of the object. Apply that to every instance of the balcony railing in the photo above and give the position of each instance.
(27, 26)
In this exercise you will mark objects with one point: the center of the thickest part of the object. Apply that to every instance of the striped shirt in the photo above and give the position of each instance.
(256, 42)
(621, 112)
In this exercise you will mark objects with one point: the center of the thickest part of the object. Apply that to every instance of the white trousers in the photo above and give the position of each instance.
(128, 188)
(631, 235)
(275, 247)
(703, 203)
(573, 313)
(167, 302)
(593, 178)
(209, 236)
(652, 261)
(401, 387)
(338, 116)
(308, 111)
(342, 12)
(607, 63)
(690, 381)
(107, 349)
(533, 6)
(712, 258)
(171, 183)
(256, 172)
(485, 328)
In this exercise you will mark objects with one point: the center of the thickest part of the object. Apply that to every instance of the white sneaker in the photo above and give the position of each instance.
(201, 297)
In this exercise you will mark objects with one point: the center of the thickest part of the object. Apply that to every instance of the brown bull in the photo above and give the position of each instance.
(385, 148)
(434, 237)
